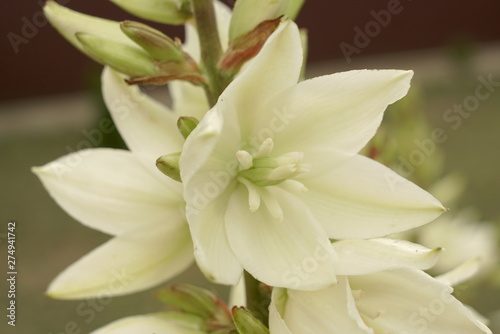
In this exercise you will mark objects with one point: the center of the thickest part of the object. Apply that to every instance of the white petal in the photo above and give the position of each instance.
(363, 199)
(147, 126)
(277, 309)
(461, 273)
(360, 257)
(211, 249)
(133, 261)
(293, 252)
(237, 294)
(109, 190)
(148, 323)
(276, 67)
(410, 301)
(330, 310)
(339, 112)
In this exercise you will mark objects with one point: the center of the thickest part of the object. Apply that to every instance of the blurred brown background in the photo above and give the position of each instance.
(37, 61)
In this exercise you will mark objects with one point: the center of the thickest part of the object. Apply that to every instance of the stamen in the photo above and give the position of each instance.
(294, 186)
(283, 172)
(245, 159)
(265, 148)
(272, 204)
(253, 194)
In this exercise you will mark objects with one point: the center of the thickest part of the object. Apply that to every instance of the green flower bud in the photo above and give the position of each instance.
(169, 165)
(248, 14)
(162, 11)
(158, 45)
(68, 22)
(247, 323)
(293, 8)
(186, 125)
(122, 57)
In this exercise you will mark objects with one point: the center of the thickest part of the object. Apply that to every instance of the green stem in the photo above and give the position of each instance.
(210, 46)
(258, 299)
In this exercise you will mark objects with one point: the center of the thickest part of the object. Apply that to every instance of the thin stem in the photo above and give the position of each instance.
(210, 46)
(258, 298)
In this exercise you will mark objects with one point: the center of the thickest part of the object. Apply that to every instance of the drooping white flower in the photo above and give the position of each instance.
(272, 171)
(121, 193)
(402, 299)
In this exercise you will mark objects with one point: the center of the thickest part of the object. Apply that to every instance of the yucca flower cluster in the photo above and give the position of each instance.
(254, 173)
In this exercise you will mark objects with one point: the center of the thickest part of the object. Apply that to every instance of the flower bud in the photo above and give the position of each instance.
(246, 322)
(186, 125)
(122, 57)
(198, 302)
(247, 46)
(169, 165)
(68, 22)
(247, 14)
(162, 11)
(158, 45)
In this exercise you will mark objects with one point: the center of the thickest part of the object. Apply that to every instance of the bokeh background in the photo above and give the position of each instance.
(50, 98)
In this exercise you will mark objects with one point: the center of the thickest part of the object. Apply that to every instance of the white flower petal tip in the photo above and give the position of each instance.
(361, 257)
(130, 262)
(462, 273)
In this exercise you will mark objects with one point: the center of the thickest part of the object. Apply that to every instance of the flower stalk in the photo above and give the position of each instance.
(210, 46)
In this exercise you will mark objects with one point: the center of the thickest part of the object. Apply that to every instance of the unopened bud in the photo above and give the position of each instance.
(186, 125)
(169, 165)
(247, 46)
(247, 323)
(158, 45)
(69, 22)
(196, 301)
(248, 14)
(293, 8)
(122, 57)
(162, 11)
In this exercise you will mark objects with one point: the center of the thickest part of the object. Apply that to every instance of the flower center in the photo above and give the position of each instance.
(260, 170)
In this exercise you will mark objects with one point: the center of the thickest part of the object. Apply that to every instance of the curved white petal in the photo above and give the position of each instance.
(147, 126)
(276, 323)
(275, 68)
(364, 199)
(360, 257)
(461, 273)
(293, 252)
(410, 301)
(147, 323)
(330, 310)
(339, 112)
(109, 190)
(211, 248)
(132, 261)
